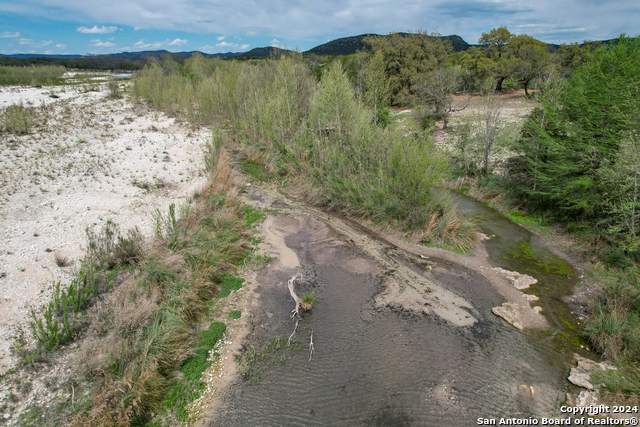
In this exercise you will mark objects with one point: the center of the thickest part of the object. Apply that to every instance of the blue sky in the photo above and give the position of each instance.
(111, 26)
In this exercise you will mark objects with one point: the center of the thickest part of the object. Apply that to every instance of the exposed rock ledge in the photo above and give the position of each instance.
(515, 313)
(581, 374)
(520, 281)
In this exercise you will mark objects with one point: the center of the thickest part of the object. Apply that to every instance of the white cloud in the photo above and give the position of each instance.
(312, 22)
(25, 41)
(10, 34)
(97, 30)
(276, 43)
(61, 46)
(220, 38)
(224, 47)
(100, 43)
(178, 42)
(142, 44)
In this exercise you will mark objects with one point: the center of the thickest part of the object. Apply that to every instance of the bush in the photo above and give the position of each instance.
(114, 88)
(18, 119)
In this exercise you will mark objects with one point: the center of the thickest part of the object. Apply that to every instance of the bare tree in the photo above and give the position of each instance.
(489, 120)
(436, 88)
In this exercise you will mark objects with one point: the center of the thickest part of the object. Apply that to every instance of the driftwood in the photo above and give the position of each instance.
(293, 334)
(311, 347)
(305, 306)
(299, 303)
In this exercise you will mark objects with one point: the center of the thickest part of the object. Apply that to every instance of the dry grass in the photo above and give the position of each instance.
(61, 259)
(144, 330)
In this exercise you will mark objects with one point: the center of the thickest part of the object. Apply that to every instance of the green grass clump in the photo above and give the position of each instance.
(256, 170)
(253, 215)
(235, 314)
(18, 119)
(229, 283)
(614, 330)
(188, 388)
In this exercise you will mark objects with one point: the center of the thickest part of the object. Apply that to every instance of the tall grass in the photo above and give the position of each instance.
(144, 331)
(316, 133)
(33, 75)
(18, 119)
(613, 326)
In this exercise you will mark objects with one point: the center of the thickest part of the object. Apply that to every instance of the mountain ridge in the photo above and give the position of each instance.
(341, 46)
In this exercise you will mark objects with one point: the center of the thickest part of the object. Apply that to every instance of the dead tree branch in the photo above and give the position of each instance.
(311, 347)
(298, 301)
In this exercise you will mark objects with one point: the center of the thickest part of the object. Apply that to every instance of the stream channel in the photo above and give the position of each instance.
(385, 365)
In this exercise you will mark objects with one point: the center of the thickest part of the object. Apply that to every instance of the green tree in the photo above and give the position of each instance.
(529, 59)
(476, 65)
(408, 55)
(570, 57)
(333, 107)
(376, 85)
(580, 134)
(494, 43)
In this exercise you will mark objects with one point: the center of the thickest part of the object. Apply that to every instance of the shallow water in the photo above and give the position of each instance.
(382, 366)
(515, 248)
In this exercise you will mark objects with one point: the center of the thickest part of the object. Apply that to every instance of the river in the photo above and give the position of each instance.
(388, 365)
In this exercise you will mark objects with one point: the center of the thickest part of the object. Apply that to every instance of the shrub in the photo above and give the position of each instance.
(114, 88)
(18, 119)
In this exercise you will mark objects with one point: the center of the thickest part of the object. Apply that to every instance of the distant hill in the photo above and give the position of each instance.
(342, 46)
(39, 55)
(263, 52)
(350, 45)
(135, 60)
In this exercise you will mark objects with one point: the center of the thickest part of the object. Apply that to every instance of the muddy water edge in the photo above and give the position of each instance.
(380, 358)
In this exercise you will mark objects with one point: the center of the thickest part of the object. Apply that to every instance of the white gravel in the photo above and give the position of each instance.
(85, 165)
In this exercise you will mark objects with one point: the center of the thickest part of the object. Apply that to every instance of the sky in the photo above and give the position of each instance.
(212, 26)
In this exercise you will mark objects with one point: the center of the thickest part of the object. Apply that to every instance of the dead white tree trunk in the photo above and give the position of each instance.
(299, 303)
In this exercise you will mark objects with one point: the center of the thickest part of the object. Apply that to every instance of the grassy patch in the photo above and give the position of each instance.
(32, 75)
(254, 364)
(18, 119)
(529, 220)
(229, 283)
(253, 215)
(256, 170)
(188, 388)
(235, 314)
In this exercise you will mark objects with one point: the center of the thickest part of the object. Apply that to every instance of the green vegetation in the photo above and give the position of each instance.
(229, 283)
(235, 314)
(44, 75)
(318, 134)
(256, 170)
(255, 364)
(138, 312)
(579, 150)
(575, 163)
(18, 119)
(188, 387)
(614, 330)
